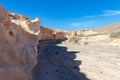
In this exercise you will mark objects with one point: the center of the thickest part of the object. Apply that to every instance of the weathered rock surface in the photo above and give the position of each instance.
(49, 34)
(59, 35)
(45, 34)
(18, 44)
(32, 27)
(18, 40)
(80, 33)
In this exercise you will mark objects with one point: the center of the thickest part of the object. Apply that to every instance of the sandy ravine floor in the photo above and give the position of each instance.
(64, 61)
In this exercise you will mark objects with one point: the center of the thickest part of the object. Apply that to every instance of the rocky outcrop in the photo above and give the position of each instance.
(18, 44)
(49, 34)
(32, 27)
(80, 33)
(45, 34)
(18, 41)
(59, 35)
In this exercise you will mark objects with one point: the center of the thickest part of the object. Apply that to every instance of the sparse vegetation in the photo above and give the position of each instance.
(80, 35)
(92, 35)
(86, 38)
(86, 43)
(115, 35)
(75, 39)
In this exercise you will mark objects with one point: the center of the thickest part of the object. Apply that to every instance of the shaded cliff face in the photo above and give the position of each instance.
(18, 40)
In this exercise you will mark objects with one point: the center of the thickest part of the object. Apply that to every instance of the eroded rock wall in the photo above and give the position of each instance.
(59, 35)
(18, 41)
(49, 34)
(45, 34)
(18, 44)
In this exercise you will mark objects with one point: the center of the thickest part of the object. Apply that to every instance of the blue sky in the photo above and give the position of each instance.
(67, 14)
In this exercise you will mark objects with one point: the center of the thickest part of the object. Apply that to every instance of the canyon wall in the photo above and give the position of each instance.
(18, 44)
(49, 34)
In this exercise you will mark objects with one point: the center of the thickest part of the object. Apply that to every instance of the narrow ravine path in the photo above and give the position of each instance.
(56, 63)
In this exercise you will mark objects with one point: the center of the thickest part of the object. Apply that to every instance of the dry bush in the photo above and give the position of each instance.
(86, 43)
(115, 35)
(92, 35)
(74, 39)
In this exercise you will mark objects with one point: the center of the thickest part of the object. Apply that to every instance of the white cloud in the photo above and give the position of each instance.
(82, 24)
(75, 24)
(107, 13)
(110, 13)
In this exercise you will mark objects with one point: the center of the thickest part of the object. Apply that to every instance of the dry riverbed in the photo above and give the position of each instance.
(64, 61)
(99, 62)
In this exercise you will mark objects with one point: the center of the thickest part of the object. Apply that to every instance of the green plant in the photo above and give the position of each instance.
(86, 43)
(115, 35)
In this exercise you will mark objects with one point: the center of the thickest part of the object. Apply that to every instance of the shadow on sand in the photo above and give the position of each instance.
(56, 63)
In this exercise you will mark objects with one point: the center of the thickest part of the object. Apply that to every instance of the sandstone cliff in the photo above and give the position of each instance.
(18, 44)
(49, 34)
(45, 34)
(18, 41)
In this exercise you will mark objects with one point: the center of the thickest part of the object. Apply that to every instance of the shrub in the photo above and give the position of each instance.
(80, 35)
(86, 43)
(86, 38)
(92, 35)
(75, 39)
(115, 35)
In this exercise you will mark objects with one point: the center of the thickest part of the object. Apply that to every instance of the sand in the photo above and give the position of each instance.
(64, 61)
